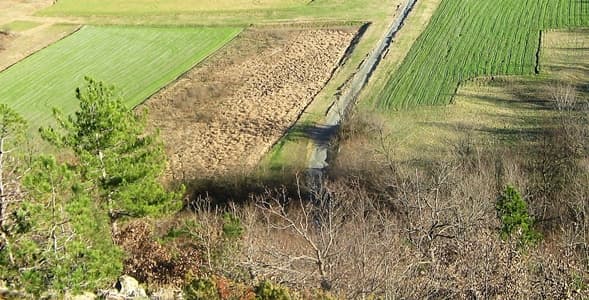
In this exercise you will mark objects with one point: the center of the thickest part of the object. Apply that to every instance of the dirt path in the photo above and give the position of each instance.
(222, 116)
(11, 10)
(329, 128)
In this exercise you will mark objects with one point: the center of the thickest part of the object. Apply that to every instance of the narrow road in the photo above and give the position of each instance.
(317, 163)
(329, 129)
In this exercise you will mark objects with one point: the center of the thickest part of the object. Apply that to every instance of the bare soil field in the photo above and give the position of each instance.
(15, 9)
(222, 116)
(18, 45)
(5, 38)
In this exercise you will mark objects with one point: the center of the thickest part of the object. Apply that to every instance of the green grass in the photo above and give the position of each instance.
(470, 38)
(134, 7)
(20, 26)
(222, 12)
(505, 111)
(137, 60)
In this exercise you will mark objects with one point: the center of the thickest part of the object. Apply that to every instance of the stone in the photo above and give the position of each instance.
(83, 296)
(129, 287)
(167, 294)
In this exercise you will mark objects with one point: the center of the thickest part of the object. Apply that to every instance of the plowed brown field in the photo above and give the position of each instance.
(223, 115)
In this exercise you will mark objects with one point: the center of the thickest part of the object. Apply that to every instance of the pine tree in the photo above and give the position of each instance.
(115, 153)
(58, 244)
(12, 130)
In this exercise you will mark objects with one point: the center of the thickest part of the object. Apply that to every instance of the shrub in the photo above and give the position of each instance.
(232, 227)
(268, 291)
(201, 288)
(513, 212)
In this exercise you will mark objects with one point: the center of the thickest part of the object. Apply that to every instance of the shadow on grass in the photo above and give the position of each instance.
(319, 134)
(241, 187)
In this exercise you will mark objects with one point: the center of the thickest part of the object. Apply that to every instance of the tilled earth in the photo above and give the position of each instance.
(5, 38)
(222, 116)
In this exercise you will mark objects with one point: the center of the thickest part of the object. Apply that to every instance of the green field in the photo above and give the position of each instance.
(132, 7)
(137, 60)
(20, 26)
(494, 113)
(222, 12)
(471, 38)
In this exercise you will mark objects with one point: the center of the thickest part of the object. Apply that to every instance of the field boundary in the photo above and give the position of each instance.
(537, 66)
(318, 159)
(46, 46)
(349, 50)
(175, 80)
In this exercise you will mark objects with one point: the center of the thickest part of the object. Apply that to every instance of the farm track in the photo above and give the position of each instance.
(221, 117)
(328, 130)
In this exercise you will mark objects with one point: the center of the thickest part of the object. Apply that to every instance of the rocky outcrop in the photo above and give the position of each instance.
(126, 288)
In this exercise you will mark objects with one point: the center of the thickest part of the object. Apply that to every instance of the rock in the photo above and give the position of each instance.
(84, 296)
(111, 295)
(167, 294)
(129, 288)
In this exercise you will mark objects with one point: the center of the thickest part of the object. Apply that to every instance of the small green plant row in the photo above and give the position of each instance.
(467, 39)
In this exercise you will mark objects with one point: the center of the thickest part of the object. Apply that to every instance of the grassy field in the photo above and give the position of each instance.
(19, 26)
(466, 39)
(133, 7)
(137, 60)
(23, 45)
(508, 110)
(223, 12)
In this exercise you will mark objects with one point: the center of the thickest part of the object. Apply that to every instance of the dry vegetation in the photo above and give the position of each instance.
(5, 38)
(422, 224)
(383, 228)
(224, 115)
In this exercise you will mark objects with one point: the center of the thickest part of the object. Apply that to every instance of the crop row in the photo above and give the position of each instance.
(137, 60)
(470, 38)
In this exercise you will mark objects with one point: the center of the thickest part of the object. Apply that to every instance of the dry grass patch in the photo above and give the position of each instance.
(222, 116)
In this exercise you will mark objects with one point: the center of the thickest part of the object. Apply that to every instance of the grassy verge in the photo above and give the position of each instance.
(415, 24)
(139, 61)
(141, 7)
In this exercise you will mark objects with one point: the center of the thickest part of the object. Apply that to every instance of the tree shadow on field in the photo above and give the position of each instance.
(240, 186)
(320, 134)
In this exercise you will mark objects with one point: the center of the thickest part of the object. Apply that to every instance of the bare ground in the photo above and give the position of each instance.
(17, 46)
(223, 115)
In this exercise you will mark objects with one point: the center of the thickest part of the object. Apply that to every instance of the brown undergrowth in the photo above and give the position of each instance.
(5, 38)
(154, 261)
(430, 230)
